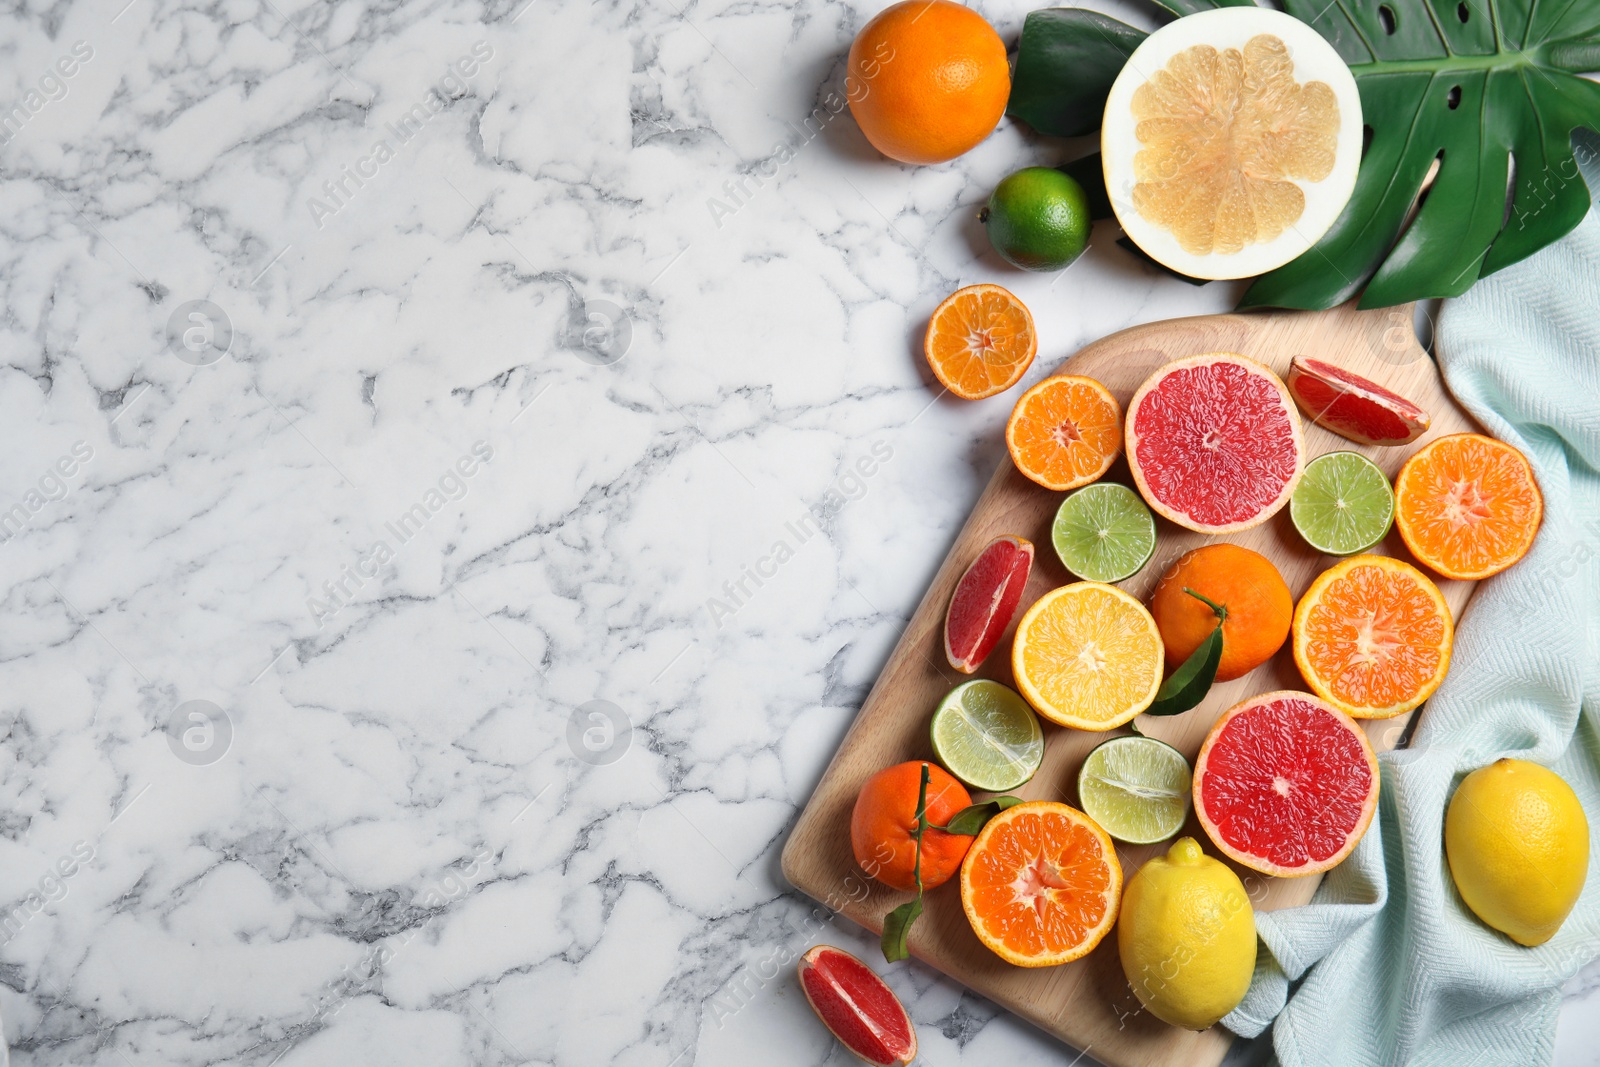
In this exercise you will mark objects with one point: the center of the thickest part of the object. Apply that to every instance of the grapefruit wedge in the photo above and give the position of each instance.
(1352, 406)
(985, 600)
(1286, 784)
(857, 1007)
(1214, 442)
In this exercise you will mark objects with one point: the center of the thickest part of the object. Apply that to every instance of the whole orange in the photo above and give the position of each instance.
(886, 815)
(1260, 608)
(927, 80)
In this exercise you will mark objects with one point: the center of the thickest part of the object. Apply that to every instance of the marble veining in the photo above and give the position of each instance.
(463, 466)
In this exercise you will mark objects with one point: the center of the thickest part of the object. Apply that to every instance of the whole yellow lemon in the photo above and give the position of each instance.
(1187, 936)
(1517, 842)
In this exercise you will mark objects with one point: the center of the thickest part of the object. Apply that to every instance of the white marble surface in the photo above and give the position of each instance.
(387, 850)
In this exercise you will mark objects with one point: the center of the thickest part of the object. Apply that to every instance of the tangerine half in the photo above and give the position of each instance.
(980, 341)
(1065, 432)
(1467, 505)
(1372, 636)
(1041, 884)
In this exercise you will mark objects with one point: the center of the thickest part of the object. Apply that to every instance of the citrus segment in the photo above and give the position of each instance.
(1041, 884)
(1352, 406)
(1087, 655)
(985, 600)
(927, 80)
(1372, 636)
(1286, 784)
(1238, 579)
(1065, 432)
(857, 1007)
(885, 817)
(1189, 175)
(1137, 788)
(1467, 505)
(1343, 504)
(1231, 141)
(1214, 442)
(980, 341)
(987, 736)
(1104, 533)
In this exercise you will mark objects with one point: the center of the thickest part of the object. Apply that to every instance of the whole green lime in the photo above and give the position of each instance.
(1038, 219)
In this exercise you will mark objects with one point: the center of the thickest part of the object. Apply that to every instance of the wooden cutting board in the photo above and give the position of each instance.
(1089, 1003)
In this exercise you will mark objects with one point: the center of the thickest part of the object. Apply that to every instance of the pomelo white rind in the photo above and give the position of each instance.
(1231, 27)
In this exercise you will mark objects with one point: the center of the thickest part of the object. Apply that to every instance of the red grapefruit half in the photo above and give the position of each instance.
(1352, 406)
(857, 1007)
(985, 600)
(1286, 784)
(1214, 442)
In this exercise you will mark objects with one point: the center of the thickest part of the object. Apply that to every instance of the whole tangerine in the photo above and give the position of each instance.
(927, 80)
(1260, 608)
(885, 817)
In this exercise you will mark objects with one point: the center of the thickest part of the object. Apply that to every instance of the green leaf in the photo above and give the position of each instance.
(1127, 245)
(897, 924)
(1190, 682)
(1492, 98)
(897, 927)
(1066, 61)
(968, 821)
(1189, 7)
(1088, 173)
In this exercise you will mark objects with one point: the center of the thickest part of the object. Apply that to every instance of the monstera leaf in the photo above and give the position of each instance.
(1470, 106)
(1066, 61)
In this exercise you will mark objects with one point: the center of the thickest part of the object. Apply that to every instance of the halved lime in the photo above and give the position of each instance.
(986, 735)
(1343, 504)
(1137, 788)
(1104, 533)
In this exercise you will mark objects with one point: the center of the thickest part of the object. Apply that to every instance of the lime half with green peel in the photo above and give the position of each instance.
(1343, 504)
(1104, 532)
(986, 735)
(1137, 788)
(1038, 219)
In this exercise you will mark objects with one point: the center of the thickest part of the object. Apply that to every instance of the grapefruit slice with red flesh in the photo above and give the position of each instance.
(1286, 784)
(1214, 442)
(1352, 406)
(985, 600)
(857, 1007)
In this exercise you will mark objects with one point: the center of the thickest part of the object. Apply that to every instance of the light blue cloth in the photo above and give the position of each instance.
(1395, 969)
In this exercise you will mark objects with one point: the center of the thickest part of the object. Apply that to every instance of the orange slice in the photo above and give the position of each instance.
(1041, 884)
(980, 341)
(1372, 636)
(1088, 655)
(1467, 505)
(1065, 432)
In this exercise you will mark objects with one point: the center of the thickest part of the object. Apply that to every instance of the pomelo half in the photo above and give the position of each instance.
(1286, 784)
(1231, 141)
(1214, 442)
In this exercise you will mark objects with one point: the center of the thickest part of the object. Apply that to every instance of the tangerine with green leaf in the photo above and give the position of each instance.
(1259, 607)
(884, 822)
